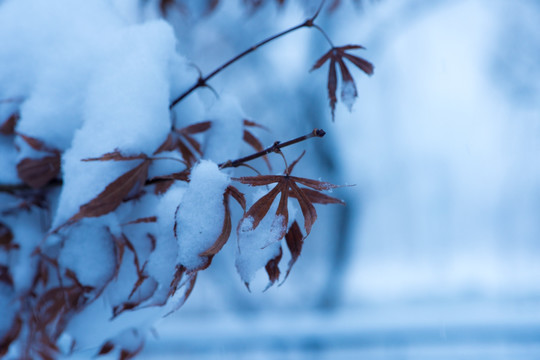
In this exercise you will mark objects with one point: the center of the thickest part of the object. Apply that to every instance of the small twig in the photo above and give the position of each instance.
(276, 147)
(202, 80)
(324, 34)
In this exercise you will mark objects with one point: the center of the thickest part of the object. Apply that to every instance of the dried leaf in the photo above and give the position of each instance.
(106, 348)
(110, 198)
(348, 87)
(8, 126)
(250, 139)
(272, 268)
(183, 141)
(116, 155)
(149, 219)
(316, 197)
(39, 172)
(10, 336)
(6, 237)
(308, 210)
(295, 241)
(286, 184)
(36, 144)
(196, 128)
(5, 276)
(238, 196)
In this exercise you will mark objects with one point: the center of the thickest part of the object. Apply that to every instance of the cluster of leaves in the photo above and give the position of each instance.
(57, 294)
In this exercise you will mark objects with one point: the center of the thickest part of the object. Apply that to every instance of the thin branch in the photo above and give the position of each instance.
(276, 147)
(202, 80)
(324, 34)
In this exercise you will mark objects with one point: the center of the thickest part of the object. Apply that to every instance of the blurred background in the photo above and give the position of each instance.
(436, 255)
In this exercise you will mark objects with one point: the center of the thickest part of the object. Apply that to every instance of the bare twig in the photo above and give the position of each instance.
(202, 81)
(276, 147)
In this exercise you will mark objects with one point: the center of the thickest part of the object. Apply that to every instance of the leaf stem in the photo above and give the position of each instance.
(276, 147)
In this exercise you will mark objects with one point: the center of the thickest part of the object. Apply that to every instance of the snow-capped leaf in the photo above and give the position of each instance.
(286, 185)
(227, 227)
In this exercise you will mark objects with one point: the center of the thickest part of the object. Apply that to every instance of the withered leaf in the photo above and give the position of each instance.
(227, 226)
(116, 155)
(110, 198)
(8, 126)
(163, 183)
(295, 241)
(252, 140)
(192, 278)
(272, 268)
(149, 219)
(5, 276)
(37, 144)
(287, 185)
(39, 172)
(6, 237)
(106, 348)
(183, 141)
(348, 87)
(10, 335)
(59, 301)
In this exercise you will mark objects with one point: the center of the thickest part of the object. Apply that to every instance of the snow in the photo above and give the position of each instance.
(348, 94)
(89, 252)
(227, 118)
(257, 246)
(201, 213)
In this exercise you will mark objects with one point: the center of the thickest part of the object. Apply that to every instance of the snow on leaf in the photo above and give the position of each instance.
(348, 87)
(285, 185)
(110, 198)
(227, 227)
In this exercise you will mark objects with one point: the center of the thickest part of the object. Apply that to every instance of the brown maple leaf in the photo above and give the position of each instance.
(287, 185)
(226, 230)
(184, 141)
(38, 172)
(117, 191)
(7, 127)
(348, 87)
